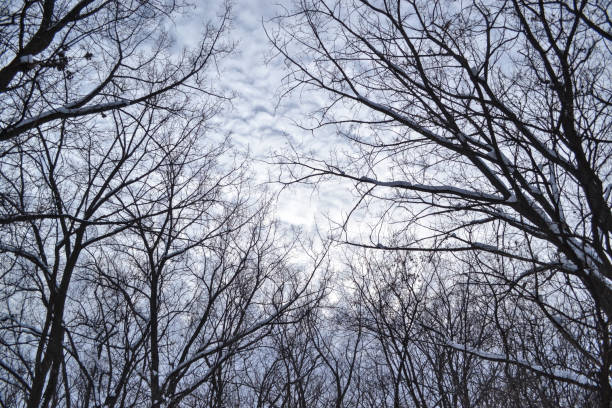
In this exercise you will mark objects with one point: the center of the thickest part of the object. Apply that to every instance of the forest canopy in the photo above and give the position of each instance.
(142, 264)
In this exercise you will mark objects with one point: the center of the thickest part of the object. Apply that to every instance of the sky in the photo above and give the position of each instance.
(258, 122)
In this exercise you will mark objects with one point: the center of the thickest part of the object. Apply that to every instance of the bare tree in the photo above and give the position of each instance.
(70, 179)
(152, 269)
(201, 298)
(137, 265)
(83, 189)
(65, 59)
(483, 127)
(415, 318)
(308, 364)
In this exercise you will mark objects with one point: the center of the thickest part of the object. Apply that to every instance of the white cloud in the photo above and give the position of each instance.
(256, 121)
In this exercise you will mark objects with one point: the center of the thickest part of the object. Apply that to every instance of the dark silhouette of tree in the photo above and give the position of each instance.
(139, 263)
(483, 129)
(61, 60)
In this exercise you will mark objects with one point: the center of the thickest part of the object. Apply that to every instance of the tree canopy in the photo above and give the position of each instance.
(142, 266)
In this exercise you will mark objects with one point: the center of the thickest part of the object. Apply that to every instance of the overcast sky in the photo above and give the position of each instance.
(257, 121)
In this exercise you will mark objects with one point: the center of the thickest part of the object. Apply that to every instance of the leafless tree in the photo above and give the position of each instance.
(415, 318)
(71, 59)
(139, 264)
(312, 363)
(151, 271)
(483, 129)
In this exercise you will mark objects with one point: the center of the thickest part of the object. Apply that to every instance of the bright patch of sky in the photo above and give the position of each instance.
(256, 121)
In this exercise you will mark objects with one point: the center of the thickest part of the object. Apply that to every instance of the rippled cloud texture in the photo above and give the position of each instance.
(257, 120)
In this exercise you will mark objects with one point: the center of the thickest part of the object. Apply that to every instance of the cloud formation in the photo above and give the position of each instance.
(256, 121)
